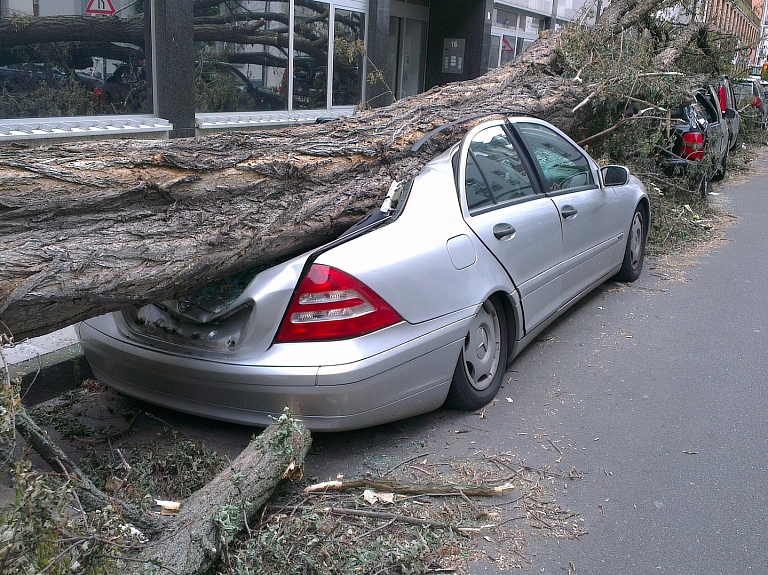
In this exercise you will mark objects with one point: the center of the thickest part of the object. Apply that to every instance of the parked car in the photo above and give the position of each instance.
(124, 90)
(727, 100)
(249, 97)
(701, 139)
(750, 97)
(28, 77)
(421, 305)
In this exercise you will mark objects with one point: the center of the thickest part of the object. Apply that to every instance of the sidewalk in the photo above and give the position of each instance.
(48, 365)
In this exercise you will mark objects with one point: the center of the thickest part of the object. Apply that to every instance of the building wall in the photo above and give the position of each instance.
(736, 17)
(466, 20)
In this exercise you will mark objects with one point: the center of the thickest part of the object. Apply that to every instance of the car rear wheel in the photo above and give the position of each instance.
(635, 250)
(720, 174)
(483, 359)
(704, 186)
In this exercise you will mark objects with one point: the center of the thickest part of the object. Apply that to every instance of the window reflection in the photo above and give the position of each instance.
(241, 66)
(348, 51)
(310, 56)
(562, 163)
(67, 63)
(494, 172)
(247, 57)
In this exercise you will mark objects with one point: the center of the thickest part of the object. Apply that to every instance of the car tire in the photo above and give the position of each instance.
(704, 186)
(720, 174)
(482, 361)
(634, 253)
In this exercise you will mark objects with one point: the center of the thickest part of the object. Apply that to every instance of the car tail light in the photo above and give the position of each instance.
(693, 146)
(758, 102)
(330, 304)
(99, 97)
(721, 97)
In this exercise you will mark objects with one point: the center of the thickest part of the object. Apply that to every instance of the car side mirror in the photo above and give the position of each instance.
(730, 113)
(615, 175)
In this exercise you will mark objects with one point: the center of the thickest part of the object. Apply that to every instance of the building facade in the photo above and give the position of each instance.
(180, 68)
(741, 19)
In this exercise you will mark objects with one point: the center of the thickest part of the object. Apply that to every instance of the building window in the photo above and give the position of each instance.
(242, 57)
(279, 55)
(506, 18)
(348, 51)
(75, 60)
(311, 32)
(493, 56)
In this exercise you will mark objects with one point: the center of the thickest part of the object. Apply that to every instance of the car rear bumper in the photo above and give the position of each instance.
(386, 390)
(675, 166)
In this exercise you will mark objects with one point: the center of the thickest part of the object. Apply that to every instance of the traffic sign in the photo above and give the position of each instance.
(100, 7)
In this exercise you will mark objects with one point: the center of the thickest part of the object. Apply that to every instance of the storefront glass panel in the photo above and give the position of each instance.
(71, 63)
(348, 51)
(508, 49)
(242, 59)
(493, 57)
(310, 55)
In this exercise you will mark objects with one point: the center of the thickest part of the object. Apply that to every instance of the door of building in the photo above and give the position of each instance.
(407, 48)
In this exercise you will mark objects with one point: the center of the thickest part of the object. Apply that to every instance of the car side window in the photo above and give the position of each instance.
(494, 172)
(707, 107)
(563, 165)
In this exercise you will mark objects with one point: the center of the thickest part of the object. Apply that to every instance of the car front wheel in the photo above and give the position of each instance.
(635, 250)
(483, 359)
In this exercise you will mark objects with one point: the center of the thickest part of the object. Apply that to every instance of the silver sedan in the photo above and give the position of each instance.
(421, 305)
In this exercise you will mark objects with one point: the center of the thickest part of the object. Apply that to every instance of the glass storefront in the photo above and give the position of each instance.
(85, 58)
(348, 53)
(274, 59)
(406, 51)
(72, 60)
(242, 66)
(311, 32)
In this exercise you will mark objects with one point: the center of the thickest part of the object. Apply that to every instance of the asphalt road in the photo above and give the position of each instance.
(654, 393)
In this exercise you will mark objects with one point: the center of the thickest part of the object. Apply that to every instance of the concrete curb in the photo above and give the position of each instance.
(48, 365)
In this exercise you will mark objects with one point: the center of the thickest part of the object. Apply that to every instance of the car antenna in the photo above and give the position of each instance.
(424, 139)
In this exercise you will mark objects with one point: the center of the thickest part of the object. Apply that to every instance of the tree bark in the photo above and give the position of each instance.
(229, 503)
(99, 226)
(102, 225)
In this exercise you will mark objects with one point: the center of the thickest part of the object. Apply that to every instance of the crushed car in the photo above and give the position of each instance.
(700, 140)
(422, 305)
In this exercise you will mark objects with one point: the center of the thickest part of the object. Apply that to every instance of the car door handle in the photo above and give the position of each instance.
(568, 212)
(501, 231)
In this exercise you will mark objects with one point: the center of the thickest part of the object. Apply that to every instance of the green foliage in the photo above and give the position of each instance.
(289, 546)
(216, 91)
(44, 530)
(170, 471)
(632, 108)
(46, 98)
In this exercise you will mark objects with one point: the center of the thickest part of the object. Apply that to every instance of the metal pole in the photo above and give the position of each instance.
(553, 21)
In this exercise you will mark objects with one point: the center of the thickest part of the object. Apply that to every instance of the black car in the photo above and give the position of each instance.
(222, 87)
(124, 90)
(701, 139)
(28, 77)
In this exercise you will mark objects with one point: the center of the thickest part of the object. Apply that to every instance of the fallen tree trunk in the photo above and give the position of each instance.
(227, 505)
(210, 517)
(94, 227)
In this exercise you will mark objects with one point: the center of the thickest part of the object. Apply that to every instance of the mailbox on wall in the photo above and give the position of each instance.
(453, 56)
